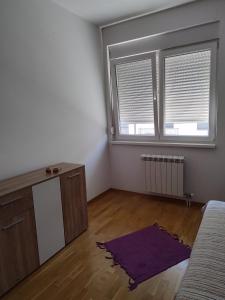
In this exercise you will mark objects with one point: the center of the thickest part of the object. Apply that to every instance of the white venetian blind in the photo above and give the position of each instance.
(135, 93)
(187, 87)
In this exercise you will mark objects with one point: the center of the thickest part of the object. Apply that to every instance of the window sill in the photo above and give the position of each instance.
(165, 144)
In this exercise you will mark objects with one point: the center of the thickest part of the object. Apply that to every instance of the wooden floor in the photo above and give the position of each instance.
(81, 271)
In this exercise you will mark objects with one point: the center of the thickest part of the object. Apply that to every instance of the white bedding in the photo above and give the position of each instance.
(205, 276)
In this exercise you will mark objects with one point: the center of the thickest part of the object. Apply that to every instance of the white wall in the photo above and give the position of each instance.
(205, 168)
(51, 91)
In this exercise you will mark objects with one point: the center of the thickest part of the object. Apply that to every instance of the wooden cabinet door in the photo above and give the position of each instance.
(74, 203)
(18, 249)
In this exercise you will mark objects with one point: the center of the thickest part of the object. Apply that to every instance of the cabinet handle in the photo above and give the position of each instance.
(72, 176)
(12, 224)
(10, 201)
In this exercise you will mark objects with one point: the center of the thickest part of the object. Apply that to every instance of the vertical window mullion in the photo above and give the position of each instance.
(155, 96)
(161, 94)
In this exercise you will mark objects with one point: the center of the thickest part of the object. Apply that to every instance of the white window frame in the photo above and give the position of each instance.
(113, 64)
(212, 46)
(158, 103)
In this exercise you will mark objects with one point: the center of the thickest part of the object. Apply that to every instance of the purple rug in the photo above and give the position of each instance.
(145, 253)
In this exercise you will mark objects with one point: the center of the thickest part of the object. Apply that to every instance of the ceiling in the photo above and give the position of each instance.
(106, 11)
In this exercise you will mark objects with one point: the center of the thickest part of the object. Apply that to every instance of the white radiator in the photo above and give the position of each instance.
(164, 175)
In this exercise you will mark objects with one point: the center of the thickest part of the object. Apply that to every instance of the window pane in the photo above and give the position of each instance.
(135, 95)
(187, 94)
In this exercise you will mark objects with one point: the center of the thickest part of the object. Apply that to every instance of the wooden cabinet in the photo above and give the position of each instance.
(74, 203)
(30, 234)
(18, 249)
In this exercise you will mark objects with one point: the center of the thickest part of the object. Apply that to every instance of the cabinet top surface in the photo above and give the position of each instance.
(19, 182)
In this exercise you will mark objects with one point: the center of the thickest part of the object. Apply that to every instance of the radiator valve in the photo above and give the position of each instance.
(189, 197)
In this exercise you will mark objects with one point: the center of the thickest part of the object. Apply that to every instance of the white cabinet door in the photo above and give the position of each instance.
(49, 218)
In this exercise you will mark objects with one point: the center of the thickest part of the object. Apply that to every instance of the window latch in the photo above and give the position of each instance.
(112, 130)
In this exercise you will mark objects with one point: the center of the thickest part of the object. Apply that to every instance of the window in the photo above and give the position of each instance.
(166, 95)
(135, 88)
(188, 92)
